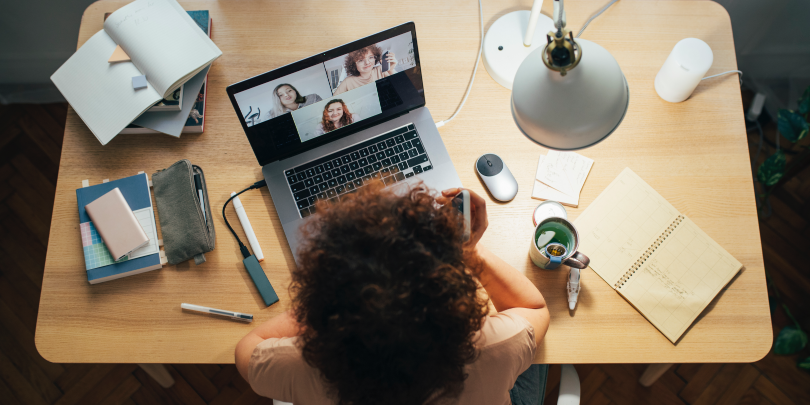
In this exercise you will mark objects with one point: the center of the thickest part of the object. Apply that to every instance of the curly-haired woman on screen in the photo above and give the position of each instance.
(361, 68)
(387, 308)
(335, 115)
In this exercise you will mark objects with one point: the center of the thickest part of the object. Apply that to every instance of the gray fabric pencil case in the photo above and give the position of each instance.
(187, 231)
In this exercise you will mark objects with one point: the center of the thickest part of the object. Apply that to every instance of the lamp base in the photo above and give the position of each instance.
(503, 44)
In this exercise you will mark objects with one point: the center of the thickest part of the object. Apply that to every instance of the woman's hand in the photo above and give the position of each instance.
(478, 213)
(392, 62)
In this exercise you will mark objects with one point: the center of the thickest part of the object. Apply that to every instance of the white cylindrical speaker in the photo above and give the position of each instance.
(684, 68)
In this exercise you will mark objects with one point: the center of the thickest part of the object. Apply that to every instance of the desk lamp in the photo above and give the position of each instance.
(511, 39)
(570, 94)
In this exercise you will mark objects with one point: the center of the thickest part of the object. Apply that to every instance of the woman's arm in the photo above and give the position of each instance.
(392, 63)
(280, 326)
(511, 290)
(508, 288)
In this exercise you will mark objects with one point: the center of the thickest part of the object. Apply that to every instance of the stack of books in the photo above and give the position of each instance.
(144, 72)
(195, 118)
(118, 229)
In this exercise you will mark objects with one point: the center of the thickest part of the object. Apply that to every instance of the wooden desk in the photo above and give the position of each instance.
(694, 153)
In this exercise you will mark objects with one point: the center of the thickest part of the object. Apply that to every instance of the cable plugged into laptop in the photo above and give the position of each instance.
(242, 247)
(252, 265)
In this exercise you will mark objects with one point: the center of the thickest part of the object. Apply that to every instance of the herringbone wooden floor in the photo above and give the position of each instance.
(30, 146)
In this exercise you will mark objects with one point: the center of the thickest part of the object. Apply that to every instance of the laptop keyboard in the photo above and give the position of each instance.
(393, 156)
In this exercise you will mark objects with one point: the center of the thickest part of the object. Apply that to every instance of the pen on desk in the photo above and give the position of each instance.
(233, 315)
(198, 186)
(573, 287)
(240, 212)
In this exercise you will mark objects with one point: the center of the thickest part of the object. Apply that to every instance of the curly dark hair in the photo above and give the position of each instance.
(351, 59)
(387, 298)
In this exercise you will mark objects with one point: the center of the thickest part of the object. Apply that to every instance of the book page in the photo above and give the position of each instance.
(163, 42)
(682, 276)
(102, 92)
(621, 224)
(146, 217)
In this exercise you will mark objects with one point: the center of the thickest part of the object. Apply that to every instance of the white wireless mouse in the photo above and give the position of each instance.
(497, 177)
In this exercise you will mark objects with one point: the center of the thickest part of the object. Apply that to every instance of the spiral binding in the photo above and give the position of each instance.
(649, 252)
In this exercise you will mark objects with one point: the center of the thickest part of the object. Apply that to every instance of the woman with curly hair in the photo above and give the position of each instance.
(387, 308)
(336, 114)
(361, 68)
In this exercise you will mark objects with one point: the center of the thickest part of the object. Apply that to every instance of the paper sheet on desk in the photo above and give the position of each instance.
(560, 177)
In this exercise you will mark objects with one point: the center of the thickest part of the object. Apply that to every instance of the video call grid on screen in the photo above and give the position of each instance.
(322, 104)
(319, 84)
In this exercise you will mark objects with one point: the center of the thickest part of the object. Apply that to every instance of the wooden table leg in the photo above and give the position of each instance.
(159, 373)
(652, 373)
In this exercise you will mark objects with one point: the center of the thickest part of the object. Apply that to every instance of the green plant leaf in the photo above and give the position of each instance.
(792, 125)
(804, 364)
(790, 340)
(804, 102)
(772, 169)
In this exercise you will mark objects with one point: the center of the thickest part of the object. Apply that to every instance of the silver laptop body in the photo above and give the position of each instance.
(392, 137)
(441, 177)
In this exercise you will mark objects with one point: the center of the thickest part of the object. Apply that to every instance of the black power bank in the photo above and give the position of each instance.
(260, 279)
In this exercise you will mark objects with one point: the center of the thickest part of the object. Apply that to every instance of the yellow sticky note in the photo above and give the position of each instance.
(118, 55)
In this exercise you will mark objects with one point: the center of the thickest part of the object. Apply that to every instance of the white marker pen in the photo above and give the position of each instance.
(237, 316)
(254, 243)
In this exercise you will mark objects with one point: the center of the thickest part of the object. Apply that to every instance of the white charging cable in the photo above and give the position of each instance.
(725, 73)
(475, 70)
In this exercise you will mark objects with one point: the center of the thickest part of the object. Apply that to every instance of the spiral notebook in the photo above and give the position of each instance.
(654, 256)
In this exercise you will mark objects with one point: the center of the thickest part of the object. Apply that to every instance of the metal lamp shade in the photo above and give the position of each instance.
(572, 111)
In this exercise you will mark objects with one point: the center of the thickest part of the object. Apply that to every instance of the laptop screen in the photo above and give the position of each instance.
(330, 95)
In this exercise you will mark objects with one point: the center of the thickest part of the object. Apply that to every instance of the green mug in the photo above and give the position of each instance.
(554, 242)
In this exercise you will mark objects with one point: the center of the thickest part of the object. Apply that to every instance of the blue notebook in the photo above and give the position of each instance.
(99, 264)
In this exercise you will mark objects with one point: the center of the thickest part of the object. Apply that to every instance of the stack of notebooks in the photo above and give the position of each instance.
(118, 230)
(181, 104)
(152, 39)
(660, 261)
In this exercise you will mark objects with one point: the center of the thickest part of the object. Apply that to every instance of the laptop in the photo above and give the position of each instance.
(328, 125)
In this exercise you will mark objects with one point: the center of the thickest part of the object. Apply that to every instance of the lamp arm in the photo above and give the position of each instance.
(559, 15)
(536, 6)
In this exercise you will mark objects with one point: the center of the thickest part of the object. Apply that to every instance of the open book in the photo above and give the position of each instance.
(654, 256)
(165, 45)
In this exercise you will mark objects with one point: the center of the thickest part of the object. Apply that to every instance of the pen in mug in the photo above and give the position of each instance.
(237, 316)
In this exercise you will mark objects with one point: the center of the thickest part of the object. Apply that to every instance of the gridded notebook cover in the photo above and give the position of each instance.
(99, 264)
(654, 256)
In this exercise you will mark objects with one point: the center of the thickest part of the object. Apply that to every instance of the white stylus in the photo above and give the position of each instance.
(254, 243)
(237, 316)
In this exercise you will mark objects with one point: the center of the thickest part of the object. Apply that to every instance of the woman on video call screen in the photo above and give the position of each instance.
(335, 115)
(362, 67)
(286, 98)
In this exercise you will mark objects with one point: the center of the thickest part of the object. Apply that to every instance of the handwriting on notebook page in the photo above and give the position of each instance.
(138, 15)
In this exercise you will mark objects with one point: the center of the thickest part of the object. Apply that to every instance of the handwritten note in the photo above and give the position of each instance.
(560, 177)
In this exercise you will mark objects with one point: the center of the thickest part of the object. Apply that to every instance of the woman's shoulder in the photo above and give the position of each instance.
(314, 97)
(504, 326)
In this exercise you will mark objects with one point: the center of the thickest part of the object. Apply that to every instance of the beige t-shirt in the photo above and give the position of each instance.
(506, 344)
(353, 82)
